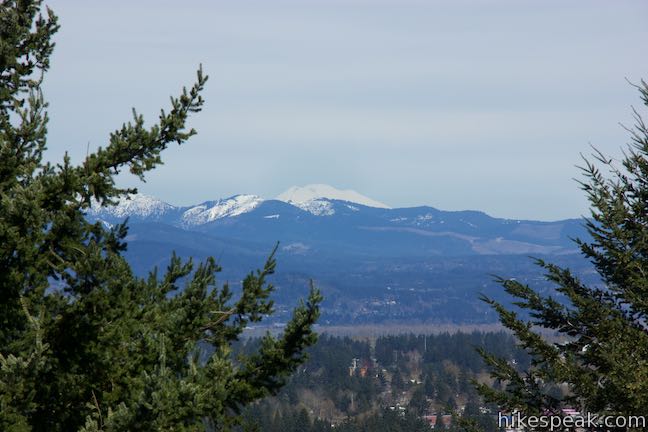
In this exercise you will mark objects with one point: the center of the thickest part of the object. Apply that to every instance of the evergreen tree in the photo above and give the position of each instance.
(84, 343)
(397, 382)
(301, 421)
(418, 404)
(604, 359)
(428, 387)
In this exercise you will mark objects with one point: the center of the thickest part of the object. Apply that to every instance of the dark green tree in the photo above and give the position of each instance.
(397, 382)
(301, 421)
(428, 387)
(84, 343)
(602, 363)
(418, 404)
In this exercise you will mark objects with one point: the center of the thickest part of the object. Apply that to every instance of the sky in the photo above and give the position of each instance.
(484, 105)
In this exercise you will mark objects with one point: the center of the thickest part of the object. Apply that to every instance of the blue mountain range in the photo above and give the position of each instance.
(373, 263)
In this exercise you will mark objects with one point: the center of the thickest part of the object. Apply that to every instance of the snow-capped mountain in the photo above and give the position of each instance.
(301, 196)
(316, 199)
(314, 217)
(363, 252)
(134, 205)
(211, 211)
(144, 207)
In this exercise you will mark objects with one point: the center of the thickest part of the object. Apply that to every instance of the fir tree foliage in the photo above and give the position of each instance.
(601, 364)
(85, 345)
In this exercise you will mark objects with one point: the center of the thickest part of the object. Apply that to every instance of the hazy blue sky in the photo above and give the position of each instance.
(455, 104)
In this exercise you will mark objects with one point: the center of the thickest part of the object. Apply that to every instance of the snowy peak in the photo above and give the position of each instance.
(339, 219)
(317, 199)
(140, 206)
(134, 205)
(302, 196)
(211, 211)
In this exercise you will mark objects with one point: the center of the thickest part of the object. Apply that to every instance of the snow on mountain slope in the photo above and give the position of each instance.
(134, 205)
(300, 195)
(229, 207)
(315, 199)
(416, 229)
(318, 207)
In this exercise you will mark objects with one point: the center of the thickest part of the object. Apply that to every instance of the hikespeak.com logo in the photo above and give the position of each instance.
(569, 420)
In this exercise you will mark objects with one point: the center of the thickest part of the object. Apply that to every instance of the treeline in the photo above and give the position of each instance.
(399, 382)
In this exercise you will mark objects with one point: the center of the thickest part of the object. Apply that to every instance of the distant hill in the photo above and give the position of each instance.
(373, 262)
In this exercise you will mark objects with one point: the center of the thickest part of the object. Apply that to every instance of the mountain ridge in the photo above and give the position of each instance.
(325, 222)
(372, 263)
